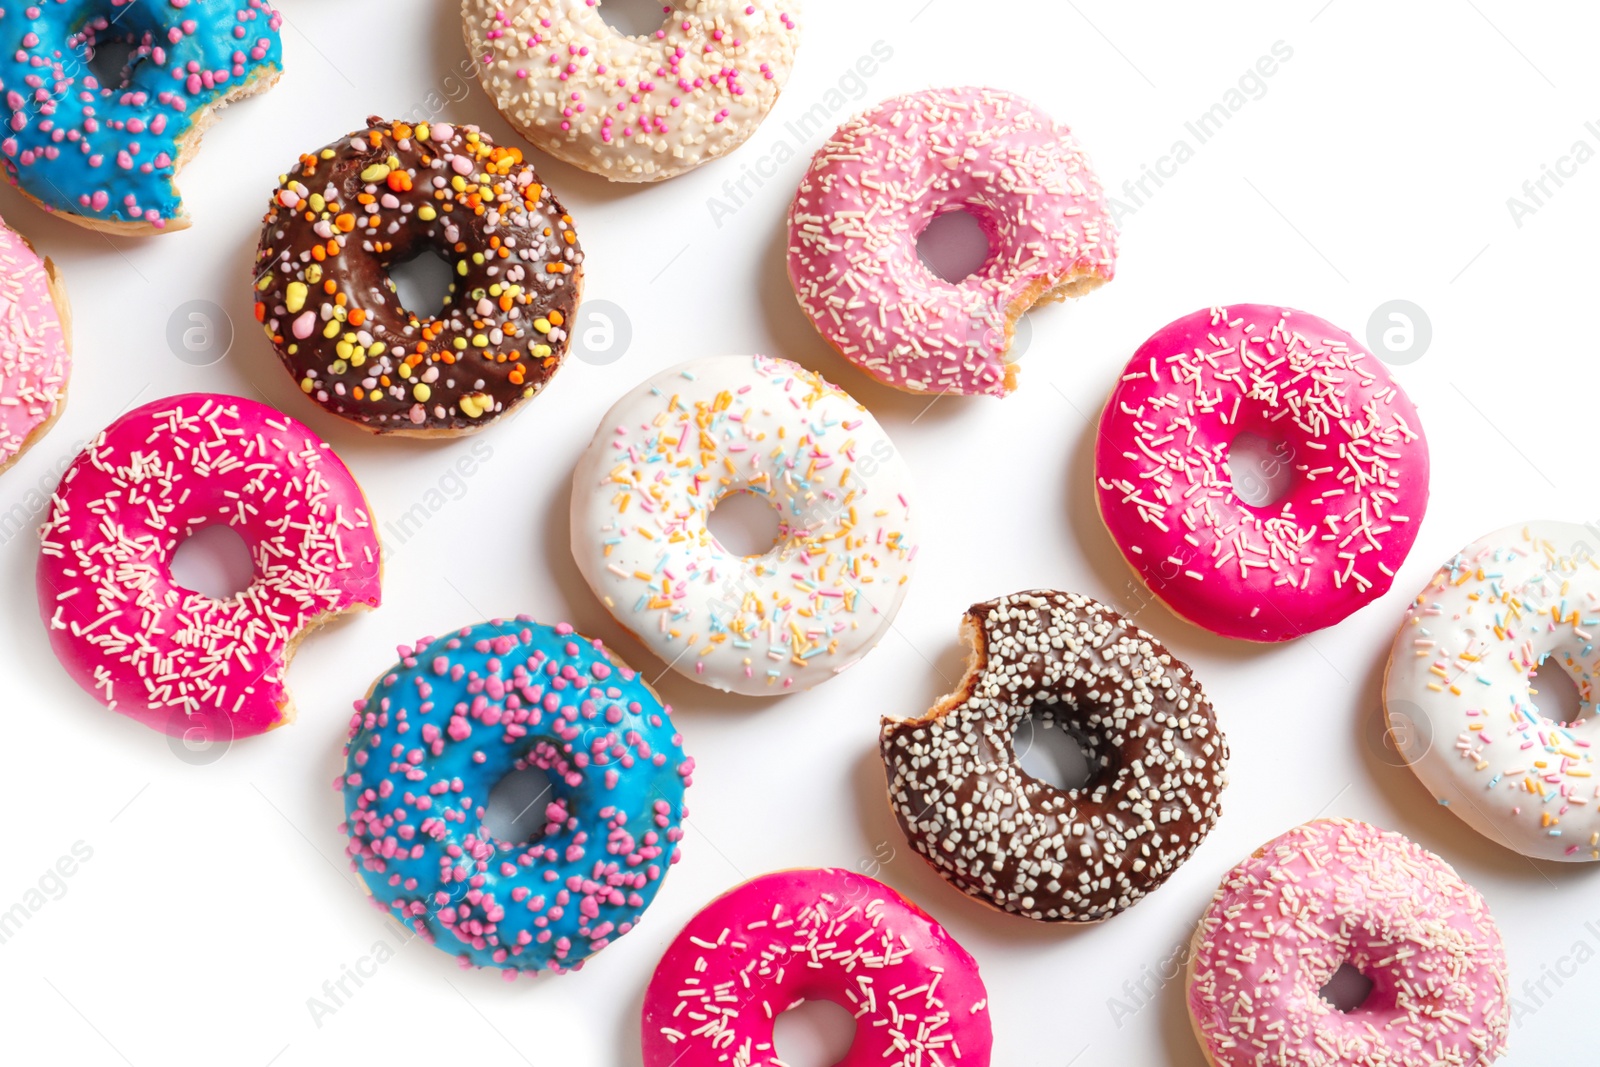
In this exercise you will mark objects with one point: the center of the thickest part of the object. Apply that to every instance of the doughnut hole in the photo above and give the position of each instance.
(1261, 470)
(1348, 990)
(954, 245)
(1052, 749)
(213, 561)
(517, 803)
(813, 1033)
(1556, 695)
(745, 523)
(636, 18)
(111, 59)
(423, 284)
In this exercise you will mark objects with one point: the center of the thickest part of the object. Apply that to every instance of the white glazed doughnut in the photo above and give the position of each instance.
(634, 108)
(671, 449)
(1459, 690)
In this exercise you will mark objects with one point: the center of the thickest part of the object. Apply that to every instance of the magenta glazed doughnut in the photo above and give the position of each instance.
(885, 175)
(1336, 892)
(1350, 436)
(829, 934)
(174, 659)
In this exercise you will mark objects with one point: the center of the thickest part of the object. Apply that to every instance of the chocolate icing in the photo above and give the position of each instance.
(1158, 762)
(327, 302)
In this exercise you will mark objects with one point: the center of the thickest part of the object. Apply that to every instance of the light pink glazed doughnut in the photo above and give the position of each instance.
(1350, 438)
(828, 934)
(1336, 892)
(174, 659)
(885, 175)
(35, 346)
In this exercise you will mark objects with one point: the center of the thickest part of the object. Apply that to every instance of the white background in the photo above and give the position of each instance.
(1376, 166)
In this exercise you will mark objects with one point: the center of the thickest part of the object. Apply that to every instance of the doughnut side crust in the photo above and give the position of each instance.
(1020, 845)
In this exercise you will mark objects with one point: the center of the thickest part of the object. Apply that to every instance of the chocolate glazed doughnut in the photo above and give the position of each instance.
(1157, 758)
(379, 197)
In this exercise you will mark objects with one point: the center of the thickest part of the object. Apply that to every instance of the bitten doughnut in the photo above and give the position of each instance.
(1514, 606)
(174, 659)
(1350, 435)
(379, 197)
(457, 714)
(1336, 892)
(107, 156)
(35, 346)
(829, 934)
(885, 175)
(1158, 763)
(634, 108)
(669, 451)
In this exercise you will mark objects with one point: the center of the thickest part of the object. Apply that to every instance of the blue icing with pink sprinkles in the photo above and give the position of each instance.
(459, 713)
(111, 152)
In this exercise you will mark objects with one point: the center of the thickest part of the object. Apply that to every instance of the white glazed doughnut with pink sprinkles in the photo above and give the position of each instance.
(634, 108)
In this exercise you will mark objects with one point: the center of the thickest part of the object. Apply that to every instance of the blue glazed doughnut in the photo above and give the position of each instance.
(106, 156)
(449, 721)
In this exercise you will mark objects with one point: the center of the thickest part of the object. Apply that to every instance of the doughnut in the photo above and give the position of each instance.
(1158, 762)
(379, 197)
(672, 449)
(828, 934)
(1336, 892)
(440, 728)
(176, 660)
(107, 156)
(634, 108)
(1352, 438)
(885, 175)
(1461, 679)
(35, 346)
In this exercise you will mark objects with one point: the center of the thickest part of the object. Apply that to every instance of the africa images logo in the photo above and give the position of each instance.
(819, 118)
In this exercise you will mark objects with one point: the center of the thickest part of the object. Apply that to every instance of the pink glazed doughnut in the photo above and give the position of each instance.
(174, 659)
(35, 346)
(1351, 438)
(828, 934)
(1336, 892)
(885, 175)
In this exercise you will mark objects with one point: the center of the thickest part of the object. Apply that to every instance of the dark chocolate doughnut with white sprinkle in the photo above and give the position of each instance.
(1158, 762)
(345, 215)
